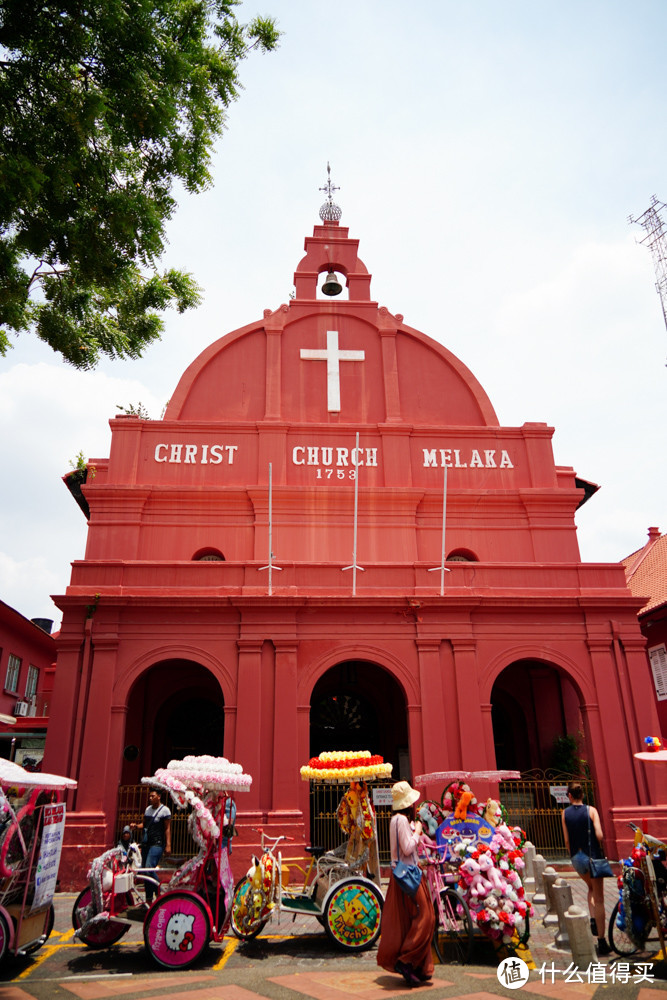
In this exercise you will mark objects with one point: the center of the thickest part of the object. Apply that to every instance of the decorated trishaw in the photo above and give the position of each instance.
(32, 823)
(193, 907)
(488, 856)
(340, 887)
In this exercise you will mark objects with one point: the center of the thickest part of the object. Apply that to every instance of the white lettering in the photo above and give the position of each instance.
(176, 452)
(216, 454)
(190, 454)
(231, 448)
(372, 456)
(505, 461)
(458, 464)
(342, 454)
(476, 460)
(327, 456)
(430, 458)
(295, 460)
(490, 461)
(204, 451)
(356, 456)
(313, 456)
(157, 452)
(446, 457)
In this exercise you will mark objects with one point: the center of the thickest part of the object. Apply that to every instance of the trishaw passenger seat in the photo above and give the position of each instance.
(317, 852)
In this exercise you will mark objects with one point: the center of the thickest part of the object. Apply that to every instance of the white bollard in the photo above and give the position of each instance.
(561, 892)
(539, 865)
(582, 945)
(550, 916)
(528, 876)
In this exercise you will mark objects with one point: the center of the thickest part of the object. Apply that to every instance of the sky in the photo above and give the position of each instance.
(488, 156)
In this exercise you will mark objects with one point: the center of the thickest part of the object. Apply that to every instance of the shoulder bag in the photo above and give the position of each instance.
(599, 867)
(408, 877)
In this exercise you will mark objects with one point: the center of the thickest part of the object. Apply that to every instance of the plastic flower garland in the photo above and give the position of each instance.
(346, 765)
(212, 773)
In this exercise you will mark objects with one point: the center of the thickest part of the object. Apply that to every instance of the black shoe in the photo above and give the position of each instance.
(603, 947)
(423, 977)
(405, 970)
(594, 927)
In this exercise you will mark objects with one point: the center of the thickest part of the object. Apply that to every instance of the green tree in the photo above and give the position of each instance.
(104, 106)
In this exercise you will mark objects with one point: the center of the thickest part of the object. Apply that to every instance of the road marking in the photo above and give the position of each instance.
(230, 948)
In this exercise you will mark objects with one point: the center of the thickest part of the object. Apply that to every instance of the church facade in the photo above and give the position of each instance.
(330, 542)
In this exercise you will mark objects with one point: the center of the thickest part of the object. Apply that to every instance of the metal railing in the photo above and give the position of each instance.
(535, 802)
(324, 828)
(132, 802)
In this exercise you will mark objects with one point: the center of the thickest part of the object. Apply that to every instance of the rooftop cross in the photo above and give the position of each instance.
(333, 357)
(330, 212)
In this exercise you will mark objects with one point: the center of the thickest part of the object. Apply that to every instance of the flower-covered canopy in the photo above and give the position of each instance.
(345, 765)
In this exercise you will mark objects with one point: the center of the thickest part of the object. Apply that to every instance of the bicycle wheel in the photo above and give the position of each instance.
(48, 927)
(177, 929)
(100, 935)
(352, 914)
(248, 914)
(453, 934)
(619, 939)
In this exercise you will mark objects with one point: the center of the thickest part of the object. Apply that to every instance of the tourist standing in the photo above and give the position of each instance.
(156, 837)
(407, 922)
(583, 835)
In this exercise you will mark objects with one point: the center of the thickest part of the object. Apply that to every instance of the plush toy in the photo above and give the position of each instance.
(492, 812)
(430, 816)
(491, 873)
(476, 885)
(461, 811)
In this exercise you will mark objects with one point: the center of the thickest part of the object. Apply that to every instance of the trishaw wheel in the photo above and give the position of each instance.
(4, 938)
(453, 933)
(177, 929)
(101, 935)
(619, 939)
(244, 923)
(353, 913)
(48, 927)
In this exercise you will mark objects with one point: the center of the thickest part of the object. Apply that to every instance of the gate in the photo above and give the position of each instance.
(132, 802)
(324, 828)
(535, 802)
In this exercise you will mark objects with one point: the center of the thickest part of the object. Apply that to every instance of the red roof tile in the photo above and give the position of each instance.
(646, 571)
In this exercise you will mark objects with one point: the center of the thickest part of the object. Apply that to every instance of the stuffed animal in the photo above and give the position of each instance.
(461, 811)
(492, 812)
(427, 816)
(491, 873)
(476, 885)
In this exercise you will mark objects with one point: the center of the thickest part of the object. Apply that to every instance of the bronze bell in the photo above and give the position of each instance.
(332, 286)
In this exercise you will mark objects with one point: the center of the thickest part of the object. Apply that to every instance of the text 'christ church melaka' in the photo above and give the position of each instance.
(214, 611)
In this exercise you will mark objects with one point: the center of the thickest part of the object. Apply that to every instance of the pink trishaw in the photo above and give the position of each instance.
(32, 823)
(193, 908)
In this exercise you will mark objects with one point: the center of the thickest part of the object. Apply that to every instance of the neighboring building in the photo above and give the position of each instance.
(226, 605)
(646, 573)
(27, 664)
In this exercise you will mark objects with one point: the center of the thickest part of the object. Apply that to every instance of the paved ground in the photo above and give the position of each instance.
(294, 960)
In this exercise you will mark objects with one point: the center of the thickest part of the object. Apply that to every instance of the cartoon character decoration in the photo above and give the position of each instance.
(178, 934)
(431, 816)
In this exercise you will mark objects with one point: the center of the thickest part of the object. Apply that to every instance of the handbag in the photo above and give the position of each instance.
(408, 877)
(598, 867)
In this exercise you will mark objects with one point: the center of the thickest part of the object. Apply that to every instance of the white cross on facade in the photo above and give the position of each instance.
(333, 357)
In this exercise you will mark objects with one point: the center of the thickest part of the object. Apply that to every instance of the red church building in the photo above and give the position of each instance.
(275, 569)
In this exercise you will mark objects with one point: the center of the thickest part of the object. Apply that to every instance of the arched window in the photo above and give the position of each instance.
(208, 555)
(462, 555)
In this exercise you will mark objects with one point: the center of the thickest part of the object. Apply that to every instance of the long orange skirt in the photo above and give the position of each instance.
(407, 929)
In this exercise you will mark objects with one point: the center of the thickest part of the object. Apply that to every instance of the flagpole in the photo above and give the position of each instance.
(354, 566)
(270, 565)
(442, 567)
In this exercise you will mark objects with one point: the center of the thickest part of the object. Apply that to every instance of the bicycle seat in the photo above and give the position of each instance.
(317, 852)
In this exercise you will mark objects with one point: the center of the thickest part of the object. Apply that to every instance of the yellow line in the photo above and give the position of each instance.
(46, 953)
(231, 947)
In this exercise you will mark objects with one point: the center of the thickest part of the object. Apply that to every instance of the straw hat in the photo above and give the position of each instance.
(403, 795)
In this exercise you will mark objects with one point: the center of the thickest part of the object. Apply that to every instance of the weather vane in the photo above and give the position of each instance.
(330, 212)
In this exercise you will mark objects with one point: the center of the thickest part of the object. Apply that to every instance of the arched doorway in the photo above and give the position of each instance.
(175, 708)
(357, 705)
(538, 730)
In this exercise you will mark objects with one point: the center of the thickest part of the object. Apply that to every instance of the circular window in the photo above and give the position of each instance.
(208, 555)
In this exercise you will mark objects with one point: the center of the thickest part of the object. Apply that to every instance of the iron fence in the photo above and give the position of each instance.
(132, 802)
(535, 802)
(324, 828)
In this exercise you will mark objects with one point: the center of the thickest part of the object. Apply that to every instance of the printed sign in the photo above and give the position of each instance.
(46, 873)
(559, 793)
(382, 797)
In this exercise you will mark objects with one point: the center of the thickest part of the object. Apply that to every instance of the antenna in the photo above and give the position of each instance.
(655, 239)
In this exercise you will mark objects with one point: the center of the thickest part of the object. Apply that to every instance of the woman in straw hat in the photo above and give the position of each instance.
(407, 923)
